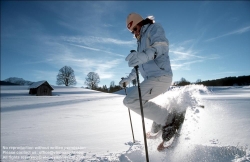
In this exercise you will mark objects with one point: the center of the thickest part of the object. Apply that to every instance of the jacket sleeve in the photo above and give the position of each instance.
(132, 75)
(158, 42)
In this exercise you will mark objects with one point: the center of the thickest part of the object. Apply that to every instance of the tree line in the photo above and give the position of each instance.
(227, 81)
(66, 77)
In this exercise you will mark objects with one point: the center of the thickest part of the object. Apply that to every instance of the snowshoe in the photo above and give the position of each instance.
(169, 131)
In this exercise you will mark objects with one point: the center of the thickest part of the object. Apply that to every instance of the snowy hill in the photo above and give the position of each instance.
(77, 124)
(19, 81)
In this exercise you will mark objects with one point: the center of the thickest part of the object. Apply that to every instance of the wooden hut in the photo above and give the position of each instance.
(41, 88)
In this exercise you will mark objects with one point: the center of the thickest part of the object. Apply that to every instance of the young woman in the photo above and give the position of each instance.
(154, 66)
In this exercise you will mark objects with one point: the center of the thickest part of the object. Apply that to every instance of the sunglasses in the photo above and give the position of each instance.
(134, 30)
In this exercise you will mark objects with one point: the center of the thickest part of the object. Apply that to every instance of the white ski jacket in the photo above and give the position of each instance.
(156, 46)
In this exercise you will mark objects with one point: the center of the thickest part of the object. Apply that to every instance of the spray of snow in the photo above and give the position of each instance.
(182, 98)
(189, 99)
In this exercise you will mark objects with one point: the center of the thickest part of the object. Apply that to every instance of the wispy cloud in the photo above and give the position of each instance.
(97, 43)
(56, 54)
(184, 65)
(184, 54)
(238, 31)
(84, 65)
(107, 25)
(44, 75)
(80, 66)
(89, 17)
(183, 60)
(102, 67)
(93, 40)
(89, 48)
(96, 49)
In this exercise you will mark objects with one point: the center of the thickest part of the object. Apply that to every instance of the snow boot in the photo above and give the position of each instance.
(156, 127)
(169, 130)
(155, 130)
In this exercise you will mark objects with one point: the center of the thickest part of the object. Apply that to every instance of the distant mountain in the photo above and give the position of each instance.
(19, 81)
(7, 83)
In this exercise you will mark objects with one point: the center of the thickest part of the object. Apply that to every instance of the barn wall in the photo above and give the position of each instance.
(33, 91)
(44, 90)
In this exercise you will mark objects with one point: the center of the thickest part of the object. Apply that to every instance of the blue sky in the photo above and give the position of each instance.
(208, 40)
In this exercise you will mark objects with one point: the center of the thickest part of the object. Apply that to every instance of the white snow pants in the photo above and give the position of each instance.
(150, 88)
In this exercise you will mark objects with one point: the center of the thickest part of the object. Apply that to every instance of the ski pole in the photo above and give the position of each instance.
(124, 86)
(142, 114)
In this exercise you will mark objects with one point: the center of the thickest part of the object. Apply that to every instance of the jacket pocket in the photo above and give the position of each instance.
(151, 67)
(160, 62)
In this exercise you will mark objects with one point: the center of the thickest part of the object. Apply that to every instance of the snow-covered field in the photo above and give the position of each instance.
(76, 124)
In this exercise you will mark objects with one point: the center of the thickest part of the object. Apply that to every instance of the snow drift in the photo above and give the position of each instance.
(76, 124)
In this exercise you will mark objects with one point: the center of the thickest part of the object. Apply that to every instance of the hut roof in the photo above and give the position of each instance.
(37, 84)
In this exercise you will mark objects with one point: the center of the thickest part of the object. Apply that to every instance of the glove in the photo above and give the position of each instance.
(124, 82)
(136, 58)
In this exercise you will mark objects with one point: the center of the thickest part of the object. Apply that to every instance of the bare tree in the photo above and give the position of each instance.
(113, 87)
(183, 82)
(66, 76)
(198, 81)
(112, 84)
(92, 80)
